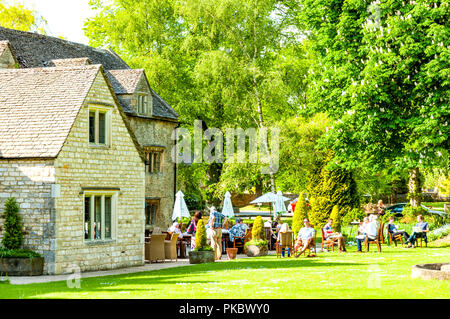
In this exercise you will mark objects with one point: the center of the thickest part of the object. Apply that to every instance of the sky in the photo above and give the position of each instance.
(64, 17)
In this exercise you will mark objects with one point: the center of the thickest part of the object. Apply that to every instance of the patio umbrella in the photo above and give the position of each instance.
(227, 208)
(180, 209)
(279, 206)
(271, 198)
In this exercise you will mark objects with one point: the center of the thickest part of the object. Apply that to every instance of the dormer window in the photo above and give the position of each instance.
(142, 104)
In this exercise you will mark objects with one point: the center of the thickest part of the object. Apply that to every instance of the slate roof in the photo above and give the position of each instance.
(38, 107)
(34, 50)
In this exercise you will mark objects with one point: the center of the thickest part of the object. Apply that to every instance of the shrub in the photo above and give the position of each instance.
(300, 214)
(320, 211)
(259, 243)
(336, 217)
(12, 236)
(354, 214)
(258, 232)
(200, 237)
(439, 232)
(410, 214)
(17, 253)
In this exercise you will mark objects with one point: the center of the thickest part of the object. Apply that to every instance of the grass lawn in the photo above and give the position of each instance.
(330, 275)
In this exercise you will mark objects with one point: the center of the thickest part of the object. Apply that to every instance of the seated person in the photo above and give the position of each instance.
(238, 230)
(175, 229)
(334, 236)
(268, 224)
(192, 228)
(393, 231)
(420, 231)
(283, 229)
(305, 238)
(369, 228)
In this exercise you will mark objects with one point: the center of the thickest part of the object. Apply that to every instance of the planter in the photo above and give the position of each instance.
(22, 266)
(255, 251)
(231, 253)
(201, 257)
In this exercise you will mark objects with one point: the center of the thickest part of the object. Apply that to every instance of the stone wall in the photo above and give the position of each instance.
(153, 132)
(30, 182)
(80, 165)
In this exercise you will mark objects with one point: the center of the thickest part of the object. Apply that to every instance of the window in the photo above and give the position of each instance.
(99, 126)
(151, 210)
(153, 161)
(98, 216)
(142, 105)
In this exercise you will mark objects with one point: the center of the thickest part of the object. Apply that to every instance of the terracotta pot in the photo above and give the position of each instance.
(231, 252)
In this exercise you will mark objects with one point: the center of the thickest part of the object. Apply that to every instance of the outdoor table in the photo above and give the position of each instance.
(351, 228)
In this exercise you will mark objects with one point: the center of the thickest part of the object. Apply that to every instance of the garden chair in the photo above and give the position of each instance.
(242, 240)
(170, 247)
(422, 237)
(377, 239)
(285, 244)
(155, 250)
(327, 242)
(393, 239)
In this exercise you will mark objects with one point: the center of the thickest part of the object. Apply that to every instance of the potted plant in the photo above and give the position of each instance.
(258, 245)
(15, 261)
(202, 253)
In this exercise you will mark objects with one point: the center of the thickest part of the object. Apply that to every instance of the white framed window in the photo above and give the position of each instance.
(100, 215)
(99, 125)
(142, 104)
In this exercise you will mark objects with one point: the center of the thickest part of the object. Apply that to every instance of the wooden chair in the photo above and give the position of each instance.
(154, 251)
(268, 231)
(395, 238)
(286, 243)
(242, 240)
(312, 246)
(377, 239)
(328, 242)
(170, 247)
(422, 238)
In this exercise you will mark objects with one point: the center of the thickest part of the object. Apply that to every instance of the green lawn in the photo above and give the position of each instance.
(330, 275)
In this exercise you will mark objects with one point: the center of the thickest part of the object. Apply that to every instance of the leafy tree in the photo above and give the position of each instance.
(300, 214)
(225, 62)
(20, 18)
(12, 236)
(381, 71)
(320, 211)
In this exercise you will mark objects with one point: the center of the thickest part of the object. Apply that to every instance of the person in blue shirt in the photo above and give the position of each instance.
(215, 222)
(238, 230)
(422, 230)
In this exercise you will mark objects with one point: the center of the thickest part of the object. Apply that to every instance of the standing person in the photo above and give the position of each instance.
(393, 231)
(335, 236)
(216, 220)
(192, 228)
(420, 230)
(380, 207)
(304, 238)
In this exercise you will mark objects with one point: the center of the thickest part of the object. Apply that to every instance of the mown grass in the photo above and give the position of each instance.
(329, 275)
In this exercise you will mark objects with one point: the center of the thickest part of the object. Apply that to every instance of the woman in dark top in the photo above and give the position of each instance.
(393, 231)
(192, 228)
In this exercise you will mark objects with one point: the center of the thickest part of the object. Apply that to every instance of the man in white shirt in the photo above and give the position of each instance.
(304, 238)
(370, 230)
(175, 228)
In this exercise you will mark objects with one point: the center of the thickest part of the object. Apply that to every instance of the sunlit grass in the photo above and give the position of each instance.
(330, 275)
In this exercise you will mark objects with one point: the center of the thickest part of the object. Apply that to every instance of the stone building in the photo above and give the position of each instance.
(85, 149)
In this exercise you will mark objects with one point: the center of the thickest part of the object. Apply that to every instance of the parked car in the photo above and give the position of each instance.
(398, 208)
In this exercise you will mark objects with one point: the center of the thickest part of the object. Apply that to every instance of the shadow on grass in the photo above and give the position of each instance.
(156, 280)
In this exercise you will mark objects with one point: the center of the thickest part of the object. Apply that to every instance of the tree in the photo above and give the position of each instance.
(336, 216)
(225, 62)
(19, 18)
(12, 236)
(300, 214)
(258, 232)
(381, 71)
(200, 237)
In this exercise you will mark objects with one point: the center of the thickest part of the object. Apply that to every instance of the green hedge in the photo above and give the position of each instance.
(17, 253)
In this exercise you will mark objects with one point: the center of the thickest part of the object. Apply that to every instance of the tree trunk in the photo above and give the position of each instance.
(414, 187)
